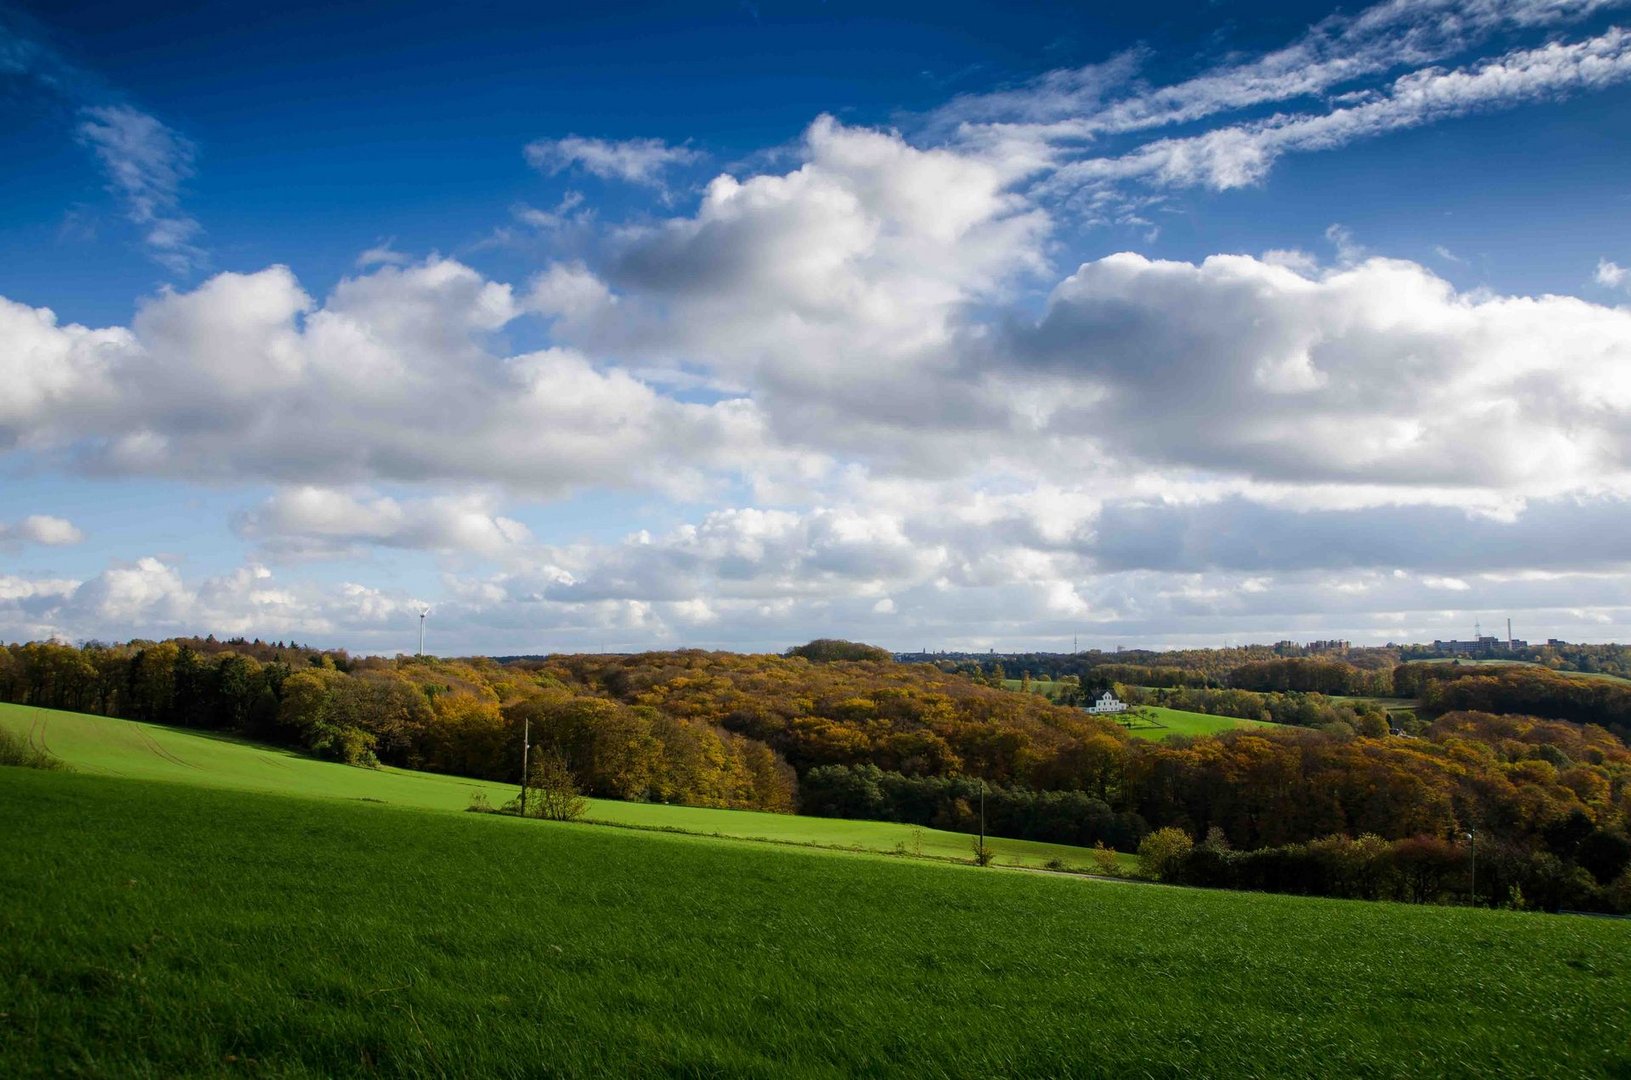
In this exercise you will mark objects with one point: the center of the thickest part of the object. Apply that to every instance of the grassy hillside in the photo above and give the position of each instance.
(164, 929)
(1156, 722)
(103, 746)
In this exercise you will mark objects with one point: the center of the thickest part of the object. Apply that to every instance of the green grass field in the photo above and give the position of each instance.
(163, 929)
(1156, 722)
(103, 746)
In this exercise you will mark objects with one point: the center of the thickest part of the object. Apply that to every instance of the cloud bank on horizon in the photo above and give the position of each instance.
(872, 398)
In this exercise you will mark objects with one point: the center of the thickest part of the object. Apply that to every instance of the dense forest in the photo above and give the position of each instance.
(842, 730)
(1519, 689)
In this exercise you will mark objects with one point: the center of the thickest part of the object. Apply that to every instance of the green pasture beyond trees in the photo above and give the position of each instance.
(1161, 723)
(1156, 722)
(161, 929)
(106, 746)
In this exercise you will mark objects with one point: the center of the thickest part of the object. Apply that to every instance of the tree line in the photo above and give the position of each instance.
(953, 803)
(1312, 674)
(464, 717)
(1578, 868)
(1361, 670)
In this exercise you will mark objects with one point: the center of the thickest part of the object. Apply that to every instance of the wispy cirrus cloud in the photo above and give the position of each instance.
(635, 161)
(1241, 154)
(147, 162)
(1094, 135)
(382, 254)
(1106, 98)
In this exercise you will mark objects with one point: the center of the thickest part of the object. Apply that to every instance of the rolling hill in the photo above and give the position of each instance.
(105, 746)
(168, 929)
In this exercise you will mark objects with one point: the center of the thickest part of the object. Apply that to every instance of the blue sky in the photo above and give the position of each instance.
(739, 324)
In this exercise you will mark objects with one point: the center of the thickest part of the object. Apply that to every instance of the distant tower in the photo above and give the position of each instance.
(422, 613)
(1509, 635)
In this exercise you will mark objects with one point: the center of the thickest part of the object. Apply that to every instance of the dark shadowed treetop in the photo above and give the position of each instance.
(826, 650)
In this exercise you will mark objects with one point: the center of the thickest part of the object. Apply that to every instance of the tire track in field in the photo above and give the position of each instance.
(36, 730)
(1080, 876)
(153, 745)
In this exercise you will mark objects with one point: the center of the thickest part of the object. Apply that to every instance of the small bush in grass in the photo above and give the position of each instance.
(912, 847)
(982, 852)
(552, 791)
(1162, 853)
(1055, 863)
(16, 750)
(1104, 859)
(479, 803)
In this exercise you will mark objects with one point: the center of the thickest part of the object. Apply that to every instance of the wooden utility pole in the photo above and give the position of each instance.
(982, 819)
(1472, 837)
(526, 745)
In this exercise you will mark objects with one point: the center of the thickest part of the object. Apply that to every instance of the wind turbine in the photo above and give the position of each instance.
(422, 613)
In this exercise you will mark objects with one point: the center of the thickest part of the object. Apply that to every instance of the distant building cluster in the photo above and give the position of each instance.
(1483, 645)
(1107, 703)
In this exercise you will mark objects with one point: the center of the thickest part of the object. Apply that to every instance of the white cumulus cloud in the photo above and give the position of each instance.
(396, 376)
(41, 529)
(313, 521)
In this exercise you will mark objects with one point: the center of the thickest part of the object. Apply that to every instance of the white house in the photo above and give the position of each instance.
(1107, 703)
